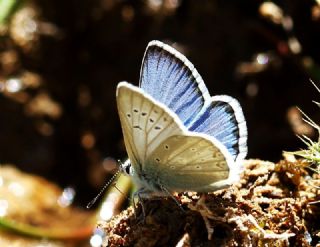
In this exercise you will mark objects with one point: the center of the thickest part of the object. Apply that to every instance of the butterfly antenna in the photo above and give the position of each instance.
(102, 190)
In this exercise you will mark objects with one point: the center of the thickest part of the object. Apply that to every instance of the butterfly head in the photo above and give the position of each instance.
(126, 167)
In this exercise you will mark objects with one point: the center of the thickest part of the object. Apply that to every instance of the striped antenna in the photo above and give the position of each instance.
(89, 205)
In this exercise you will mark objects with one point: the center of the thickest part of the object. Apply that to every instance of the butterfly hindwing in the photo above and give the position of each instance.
(224, 120)
(190, 162)
(170, 78)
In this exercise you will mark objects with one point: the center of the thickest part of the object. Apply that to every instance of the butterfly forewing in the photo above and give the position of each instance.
(170, 78)
(144, 122)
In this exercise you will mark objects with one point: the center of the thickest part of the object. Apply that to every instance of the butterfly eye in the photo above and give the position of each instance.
(127, 169)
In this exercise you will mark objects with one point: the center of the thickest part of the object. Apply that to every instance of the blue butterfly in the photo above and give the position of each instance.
(177, 136)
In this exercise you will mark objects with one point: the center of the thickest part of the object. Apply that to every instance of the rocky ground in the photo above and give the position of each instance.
(272, 205)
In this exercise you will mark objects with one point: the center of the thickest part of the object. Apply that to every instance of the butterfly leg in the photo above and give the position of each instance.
(144, 193)
(141, 194)
(168, 193)
(134, 205)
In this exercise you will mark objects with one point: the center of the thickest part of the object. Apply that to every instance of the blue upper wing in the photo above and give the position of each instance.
(170, 78)
(224, 120)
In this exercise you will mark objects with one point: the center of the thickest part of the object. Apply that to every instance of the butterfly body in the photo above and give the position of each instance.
(178, 138)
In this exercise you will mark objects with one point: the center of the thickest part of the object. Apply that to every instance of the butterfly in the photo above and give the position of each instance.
(178, 138)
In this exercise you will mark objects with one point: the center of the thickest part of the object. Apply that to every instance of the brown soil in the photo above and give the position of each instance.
(272, 205)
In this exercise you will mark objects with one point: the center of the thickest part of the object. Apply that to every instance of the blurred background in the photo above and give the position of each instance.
(60, 62)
